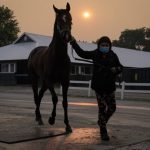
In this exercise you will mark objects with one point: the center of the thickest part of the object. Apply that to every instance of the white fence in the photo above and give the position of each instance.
(124, 84)
(122, 88)
(88, 88)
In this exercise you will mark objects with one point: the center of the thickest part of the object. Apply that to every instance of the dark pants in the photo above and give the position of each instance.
(107, 106)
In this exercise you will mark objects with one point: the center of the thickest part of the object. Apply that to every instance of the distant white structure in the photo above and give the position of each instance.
(13, 58)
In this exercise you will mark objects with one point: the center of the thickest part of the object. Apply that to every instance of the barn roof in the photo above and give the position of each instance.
(36, 38)
(21, 48)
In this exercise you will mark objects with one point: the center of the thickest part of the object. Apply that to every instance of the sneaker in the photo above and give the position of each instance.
(105, 137)
(104, 134)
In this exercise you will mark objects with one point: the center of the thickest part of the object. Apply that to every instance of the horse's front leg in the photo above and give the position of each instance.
(55, 100)
(36, 99)
(40, 96)
(65, 106)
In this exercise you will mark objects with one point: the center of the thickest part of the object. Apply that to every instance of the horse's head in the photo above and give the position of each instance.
(63, 22)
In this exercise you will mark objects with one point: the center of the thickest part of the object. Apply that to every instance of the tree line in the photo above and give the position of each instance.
(138, 39)
(8, 26)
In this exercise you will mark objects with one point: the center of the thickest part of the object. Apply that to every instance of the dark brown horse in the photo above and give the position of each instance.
(51, 65)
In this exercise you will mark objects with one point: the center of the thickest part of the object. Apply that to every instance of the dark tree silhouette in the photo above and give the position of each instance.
(138, 39)
(8, 26)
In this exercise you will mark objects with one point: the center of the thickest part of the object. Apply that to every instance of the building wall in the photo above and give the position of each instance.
(133, 75)
(7, 72)
(21, 74)
(141, 75)
(81, 72)
(7, 79)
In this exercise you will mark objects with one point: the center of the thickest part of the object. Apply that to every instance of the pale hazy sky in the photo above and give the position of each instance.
(108, 17)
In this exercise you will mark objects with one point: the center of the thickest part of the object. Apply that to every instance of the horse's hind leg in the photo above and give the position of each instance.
(55, 100)
(35, 92)
(65, 106)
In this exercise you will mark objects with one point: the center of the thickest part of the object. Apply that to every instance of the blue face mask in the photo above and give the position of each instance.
(104, 49)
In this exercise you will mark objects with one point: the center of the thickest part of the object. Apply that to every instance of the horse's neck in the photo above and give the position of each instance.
(58, 45)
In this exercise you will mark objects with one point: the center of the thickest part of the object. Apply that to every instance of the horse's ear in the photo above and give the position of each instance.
(68, 7)
(55, 9)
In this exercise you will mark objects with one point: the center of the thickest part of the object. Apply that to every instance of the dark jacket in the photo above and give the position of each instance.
(103, 79)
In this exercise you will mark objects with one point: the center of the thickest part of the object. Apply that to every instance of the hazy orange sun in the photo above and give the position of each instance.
(86, 14)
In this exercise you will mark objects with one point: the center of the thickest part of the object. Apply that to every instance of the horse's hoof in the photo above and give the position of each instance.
(68, 129)
(40, 122)
(37, 119)
(51, 121)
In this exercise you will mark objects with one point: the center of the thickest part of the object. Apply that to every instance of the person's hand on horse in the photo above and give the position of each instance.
(72, 39)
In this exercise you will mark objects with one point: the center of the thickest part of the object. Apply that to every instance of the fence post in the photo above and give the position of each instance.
(122, 90)
(89, 89)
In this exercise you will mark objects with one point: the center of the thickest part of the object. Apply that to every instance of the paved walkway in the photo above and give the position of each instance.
(129, 128)
(26, 89)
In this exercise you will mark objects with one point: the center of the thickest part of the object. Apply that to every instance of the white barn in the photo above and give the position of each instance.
(13, 61)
